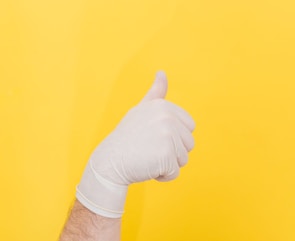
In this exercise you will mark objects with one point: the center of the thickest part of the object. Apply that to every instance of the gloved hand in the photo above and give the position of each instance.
(151, 142)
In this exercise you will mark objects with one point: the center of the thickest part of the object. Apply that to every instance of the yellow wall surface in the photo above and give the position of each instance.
(69, 70)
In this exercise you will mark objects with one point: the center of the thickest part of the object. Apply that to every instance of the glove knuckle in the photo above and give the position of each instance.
(183, 160)
(191, 144)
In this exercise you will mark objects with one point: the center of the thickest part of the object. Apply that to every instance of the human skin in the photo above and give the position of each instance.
(84, 225)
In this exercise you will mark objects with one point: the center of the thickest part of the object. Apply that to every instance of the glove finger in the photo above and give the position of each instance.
(186, 136)
(170, 176)
(179, 148)
(180, 132)
(182, 115)
(182, 157)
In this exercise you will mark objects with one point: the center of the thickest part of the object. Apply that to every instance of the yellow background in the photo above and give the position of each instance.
(69, 70)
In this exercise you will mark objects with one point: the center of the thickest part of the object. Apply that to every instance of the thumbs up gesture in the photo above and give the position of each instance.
(151, 142)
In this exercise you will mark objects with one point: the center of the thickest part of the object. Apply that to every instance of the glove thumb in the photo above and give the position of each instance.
(158, 89)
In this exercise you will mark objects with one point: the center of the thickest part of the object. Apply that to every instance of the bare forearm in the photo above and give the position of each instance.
(84, 225)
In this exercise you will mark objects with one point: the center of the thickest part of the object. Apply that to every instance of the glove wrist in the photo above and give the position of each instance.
(101, 196)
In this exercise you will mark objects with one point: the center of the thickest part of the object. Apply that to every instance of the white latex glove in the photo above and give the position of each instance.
(151, 142)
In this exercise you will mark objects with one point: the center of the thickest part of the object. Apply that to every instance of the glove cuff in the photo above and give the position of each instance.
(99, 195)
